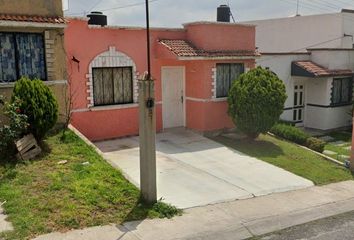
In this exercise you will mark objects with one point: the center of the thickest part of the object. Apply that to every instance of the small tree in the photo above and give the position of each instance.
(256, 101)
(38, 104)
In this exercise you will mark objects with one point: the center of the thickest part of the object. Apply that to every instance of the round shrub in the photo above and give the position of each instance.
(38, 104)
(256, 101)
(316, 144)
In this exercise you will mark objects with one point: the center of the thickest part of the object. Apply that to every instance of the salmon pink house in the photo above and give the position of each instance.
(193, 68)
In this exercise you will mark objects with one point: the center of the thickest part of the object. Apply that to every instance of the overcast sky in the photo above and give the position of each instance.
(173, 13)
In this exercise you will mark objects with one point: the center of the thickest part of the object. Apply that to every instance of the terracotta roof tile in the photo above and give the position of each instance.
(38, 19)
(319, 71)
(183, 48)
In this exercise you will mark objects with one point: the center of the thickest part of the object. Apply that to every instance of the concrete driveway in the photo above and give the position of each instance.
(195, 171)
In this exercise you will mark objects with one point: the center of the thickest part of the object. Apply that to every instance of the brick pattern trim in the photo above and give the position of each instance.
(213, 83)
(50, 58)
(111, 58)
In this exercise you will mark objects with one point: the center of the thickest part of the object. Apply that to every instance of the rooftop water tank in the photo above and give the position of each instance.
(224, 13)
(97, 18)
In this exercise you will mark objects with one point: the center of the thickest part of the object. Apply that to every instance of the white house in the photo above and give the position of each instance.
(314, 56)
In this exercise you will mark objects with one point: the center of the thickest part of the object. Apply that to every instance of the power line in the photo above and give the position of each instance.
(316, 7)
(116, 8)
(127, 6)
(307, 5)
(232, 16)
(342, 2)
(95, 5)
(328, 4)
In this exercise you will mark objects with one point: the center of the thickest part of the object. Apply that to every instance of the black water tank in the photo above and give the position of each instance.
(223, 13)
(97, 18)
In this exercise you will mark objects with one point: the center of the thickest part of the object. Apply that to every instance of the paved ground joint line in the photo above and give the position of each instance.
(126, 231)
(248, 230)
(205, 172)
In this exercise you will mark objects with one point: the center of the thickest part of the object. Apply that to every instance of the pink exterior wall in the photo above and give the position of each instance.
(85, 44)
(202, 112)
(352, 155)
(239, 37)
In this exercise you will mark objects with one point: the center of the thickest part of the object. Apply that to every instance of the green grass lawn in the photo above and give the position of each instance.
(43, 196)
(339, 150)
(290, 157)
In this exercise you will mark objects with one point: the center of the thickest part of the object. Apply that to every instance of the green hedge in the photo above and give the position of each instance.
(290, 133)
(296, 135)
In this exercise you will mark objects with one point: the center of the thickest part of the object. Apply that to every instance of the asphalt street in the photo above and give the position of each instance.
(340, 227)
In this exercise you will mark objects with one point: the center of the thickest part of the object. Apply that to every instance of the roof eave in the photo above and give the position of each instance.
(342, 75)
(217, 58)
(4, 23)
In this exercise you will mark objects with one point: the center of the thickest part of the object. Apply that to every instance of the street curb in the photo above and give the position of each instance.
(85, 139)
(306, 148)
(99, 152)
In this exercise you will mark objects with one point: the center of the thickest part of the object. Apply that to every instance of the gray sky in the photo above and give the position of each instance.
(172, 13)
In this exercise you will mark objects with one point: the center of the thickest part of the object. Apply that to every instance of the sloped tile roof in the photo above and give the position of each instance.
(319, 71)
(183, 48)
(27, 18)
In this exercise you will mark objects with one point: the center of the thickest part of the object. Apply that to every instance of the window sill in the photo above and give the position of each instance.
(220, 99)
(330, 106)
(48, 83)
(114, 107)
(341, 104)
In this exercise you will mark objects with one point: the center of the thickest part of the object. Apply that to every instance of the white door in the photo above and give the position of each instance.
(173, 96)
(299, 104)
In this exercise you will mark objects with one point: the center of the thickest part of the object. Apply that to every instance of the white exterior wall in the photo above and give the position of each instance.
(298, 33)
(331, 117)
(292, 34)
(348, 28)
(281, 65)
(328, 118)
(334, 59)
(319, 92)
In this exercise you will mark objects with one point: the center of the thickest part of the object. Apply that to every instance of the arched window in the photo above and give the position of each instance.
(112, 79)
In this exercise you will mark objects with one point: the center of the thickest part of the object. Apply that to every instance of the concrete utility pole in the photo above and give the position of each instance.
(147, 133)
(147, 128)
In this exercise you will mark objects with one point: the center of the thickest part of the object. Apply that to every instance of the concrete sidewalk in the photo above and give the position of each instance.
(233, 220)
(4, 225)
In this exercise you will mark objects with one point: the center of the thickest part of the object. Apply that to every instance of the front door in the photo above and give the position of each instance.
(173, 96)
(299, 102)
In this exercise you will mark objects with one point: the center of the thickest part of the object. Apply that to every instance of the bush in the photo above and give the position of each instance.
(15, 129)
(286, 122)
(290, 133)
(256, 101)
(315, 144)
(163, 210)
(38, 103)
